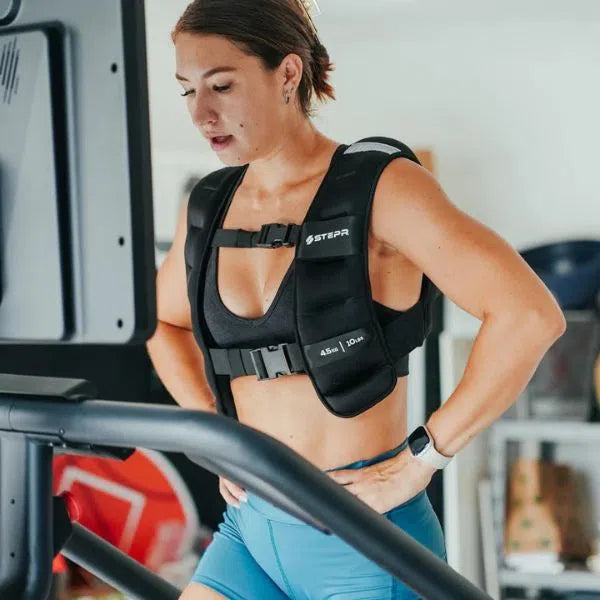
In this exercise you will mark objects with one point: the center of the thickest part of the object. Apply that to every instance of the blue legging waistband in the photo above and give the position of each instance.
(274, 513)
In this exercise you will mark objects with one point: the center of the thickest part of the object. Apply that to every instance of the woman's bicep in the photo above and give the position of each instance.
(471, 264)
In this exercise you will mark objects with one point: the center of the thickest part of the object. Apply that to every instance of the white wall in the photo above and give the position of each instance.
(508, 108)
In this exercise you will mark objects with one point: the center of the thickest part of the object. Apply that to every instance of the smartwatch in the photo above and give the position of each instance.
(421, 445)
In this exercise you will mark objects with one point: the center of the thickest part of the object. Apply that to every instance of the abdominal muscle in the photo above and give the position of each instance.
(289, 410)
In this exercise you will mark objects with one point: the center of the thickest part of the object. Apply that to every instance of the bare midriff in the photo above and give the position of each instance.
(288, 408)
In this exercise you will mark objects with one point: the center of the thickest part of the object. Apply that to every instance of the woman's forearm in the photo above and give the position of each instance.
(504, 357)
(180, 365)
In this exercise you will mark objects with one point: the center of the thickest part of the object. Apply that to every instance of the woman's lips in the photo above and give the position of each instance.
(220, 142)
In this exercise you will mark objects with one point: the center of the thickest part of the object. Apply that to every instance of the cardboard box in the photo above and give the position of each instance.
(542, 511)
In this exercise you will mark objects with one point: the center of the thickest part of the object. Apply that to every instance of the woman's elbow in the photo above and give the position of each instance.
(548, 324)
(557, 325)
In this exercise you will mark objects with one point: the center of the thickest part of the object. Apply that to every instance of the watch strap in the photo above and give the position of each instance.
(431, 456)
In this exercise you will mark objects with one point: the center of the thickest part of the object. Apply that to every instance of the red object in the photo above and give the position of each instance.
(140, 505)
(73, 508)
(59, 564)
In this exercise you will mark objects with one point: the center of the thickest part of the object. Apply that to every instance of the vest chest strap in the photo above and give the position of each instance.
(270, 235)
(267, 362)
(270, 362)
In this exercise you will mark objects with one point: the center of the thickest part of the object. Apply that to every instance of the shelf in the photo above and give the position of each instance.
(551, 431)
(568, 580)
(536, 431)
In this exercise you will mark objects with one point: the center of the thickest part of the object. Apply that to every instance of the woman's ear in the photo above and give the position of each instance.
(292, 70)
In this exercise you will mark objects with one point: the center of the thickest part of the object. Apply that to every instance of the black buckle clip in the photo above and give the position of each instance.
(274, 235)
(270, 362)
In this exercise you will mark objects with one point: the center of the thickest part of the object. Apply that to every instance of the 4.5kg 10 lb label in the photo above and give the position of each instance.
(337, 347)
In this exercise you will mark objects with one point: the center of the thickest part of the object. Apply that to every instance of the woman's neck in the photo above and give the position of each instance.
(301, 154)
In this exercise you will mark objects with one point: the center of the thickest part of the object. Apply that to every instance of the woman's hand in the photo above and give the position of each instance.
(232, 492)
(389, 483)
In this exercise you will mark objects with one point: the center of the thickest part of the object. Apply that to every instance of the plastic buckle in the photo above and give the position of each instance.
(274, 235)
(270, 362)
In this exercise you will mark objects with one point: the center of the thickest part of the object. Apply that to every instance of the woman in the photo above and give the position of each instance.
(248, 69)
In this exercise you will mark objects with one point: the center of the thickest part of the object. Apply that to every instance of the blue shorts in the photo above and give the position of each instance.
(261, 552)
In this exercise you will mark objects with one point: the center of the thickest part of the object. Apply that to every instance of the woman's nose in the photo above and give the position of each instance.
(203, 114)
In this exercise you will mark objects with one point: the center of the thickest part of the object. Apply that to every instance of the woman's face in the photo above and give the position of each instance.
(229, 93)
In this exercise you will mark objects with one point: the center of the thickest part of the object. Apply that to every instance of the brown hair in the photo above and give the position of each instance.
(269, 30)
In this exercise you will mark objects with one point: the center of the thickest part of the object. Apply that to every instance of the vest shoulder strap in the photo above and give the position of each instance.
(206, 203)
(417, 322)
(349, 359)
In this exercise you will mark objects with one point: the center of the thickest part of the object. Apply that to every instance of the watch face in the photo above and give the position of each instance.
(418, 440)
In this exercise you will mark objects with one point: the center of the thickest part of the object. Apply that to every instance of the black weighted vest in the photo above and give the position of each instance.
(348, 356)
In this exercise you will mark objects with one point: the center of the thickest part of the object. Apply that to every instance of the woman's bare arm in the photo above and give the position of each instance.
(484, 275)
(174, 353)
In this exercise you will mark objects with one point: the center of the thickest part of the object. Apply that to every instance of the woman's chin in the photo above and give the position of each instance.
(233, 158)
(231, 162)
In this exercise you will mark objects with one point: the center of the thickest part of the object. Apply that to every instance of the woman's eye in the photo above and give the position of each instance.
(216, 88)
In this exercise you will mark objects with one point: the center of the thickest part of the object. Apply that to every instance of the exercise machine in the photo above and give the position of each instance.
(38, 415)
